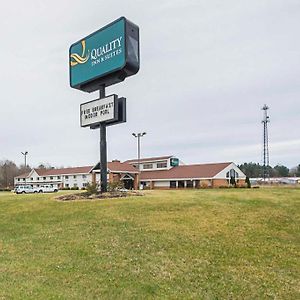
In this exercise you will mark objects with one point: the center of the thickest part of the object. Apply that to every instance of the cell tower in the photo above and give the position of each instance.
(265, 122)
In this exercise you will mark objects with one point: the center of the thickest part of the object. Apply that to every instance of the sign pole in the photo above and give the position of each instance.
(103, 149)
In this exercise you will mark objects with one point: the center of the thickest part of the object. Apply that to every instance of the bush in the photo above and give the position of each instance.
(92, 189)
(232, 181)
(74, 188)
(65, 188)
(248, 183)
(115, 186)
(203, 185)
(5, 190)
(241, 185)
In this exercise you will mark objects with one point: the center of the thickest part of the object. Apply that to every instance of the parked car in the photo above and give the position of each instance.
(28, 189)
(47, 188)
(25, 189)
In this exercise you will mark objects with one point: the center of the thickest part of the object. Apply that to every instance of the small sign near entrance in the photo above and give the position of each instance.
(98, 111)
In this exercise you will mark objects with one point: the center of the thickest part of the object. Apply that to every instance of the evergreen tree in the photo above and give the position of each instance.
(247, 181)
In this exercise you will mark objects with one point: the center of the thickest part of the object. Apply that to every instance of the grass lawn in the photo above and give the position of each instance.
(196, 244)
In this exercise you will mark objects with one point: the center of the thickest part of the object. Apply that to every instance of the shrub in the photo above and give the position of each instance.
(115, 186)
(91, 188)
(248, 183)
(240, 185)
(65, 188)
(74, 188)
(203, 185)
(232, 181)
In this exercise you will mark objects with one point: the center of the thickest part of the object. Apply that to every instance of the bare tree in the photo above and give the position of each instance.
(8, 170)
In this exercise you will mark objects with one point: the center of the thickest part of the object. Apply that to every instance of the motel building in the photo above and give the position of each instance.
(165, 172)
(80, 176)
(169, 172)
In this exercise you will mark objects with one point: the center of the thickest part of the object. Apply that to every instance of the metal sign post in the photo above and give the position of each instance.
(103, 149)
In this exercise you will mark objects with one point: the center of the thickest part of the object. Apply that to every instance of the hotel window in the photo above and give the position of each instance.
(162, 165)
(189, 184)
(31, 178)
(83, 176)
(232, 173)
(84, 184)
(44, 178)
(23, 179)
(67, 185)
(172, 184)
(51, 177)
(66, 177)
(38, 178)
(58, 177)
(147, 166)
(181, 184)
(18, 179)
(74, 176)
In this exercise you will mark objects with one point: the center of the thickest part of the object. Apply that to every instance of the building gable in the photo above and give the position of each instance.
(223, 173)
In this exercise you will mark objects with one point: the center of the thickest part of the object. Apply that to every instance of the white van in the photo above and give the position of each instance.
(25, 189)
(28, 189)
(47, 188)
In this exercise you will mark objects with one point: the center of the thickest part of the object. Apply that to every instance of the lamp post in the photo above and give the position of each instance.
(138, 136)
(25, 155)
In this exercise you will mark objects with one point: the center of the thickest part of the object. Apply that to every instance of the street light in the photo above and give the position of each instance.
(138, 136)
(25, 154)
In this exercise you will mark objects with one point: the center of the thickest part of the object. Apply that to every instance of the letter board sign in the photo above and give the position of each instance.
(105, 57)
(98, 111)
(121, 114)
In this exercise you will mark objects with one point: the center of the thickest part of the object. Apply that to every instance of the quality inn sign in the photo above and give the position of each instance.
(105, 57)
(101, 59)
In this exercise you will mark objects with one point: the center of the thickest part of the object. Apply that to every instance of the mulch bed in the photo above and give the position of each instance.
(86, 196)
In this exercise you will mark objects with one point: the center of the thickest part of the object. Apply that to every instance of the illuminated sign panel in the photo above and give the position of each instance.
(105, 57)
(174, 162)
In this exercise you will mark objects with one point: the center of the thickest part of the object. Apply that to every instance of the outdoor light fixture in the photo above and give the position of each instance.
(138, 136)
(25, 155)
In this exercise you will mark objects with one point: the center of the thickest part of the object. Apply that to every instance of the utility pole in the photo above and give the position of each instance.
(138, 136)
(265, 121)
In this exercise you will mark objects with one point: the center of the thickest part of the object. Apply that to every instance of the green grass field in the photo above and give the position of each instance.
(197, 244)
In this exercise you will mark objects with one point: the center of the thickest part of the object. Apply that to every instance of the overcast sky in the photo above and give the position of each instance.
(207, 68)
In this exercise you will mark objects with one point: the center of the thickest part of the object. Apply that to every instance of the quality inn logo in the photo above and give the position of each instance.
(97, 55)
(80, 59)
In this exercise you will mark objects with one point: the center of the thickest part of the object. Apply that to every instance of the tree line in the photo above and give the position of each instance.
(255, 170)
